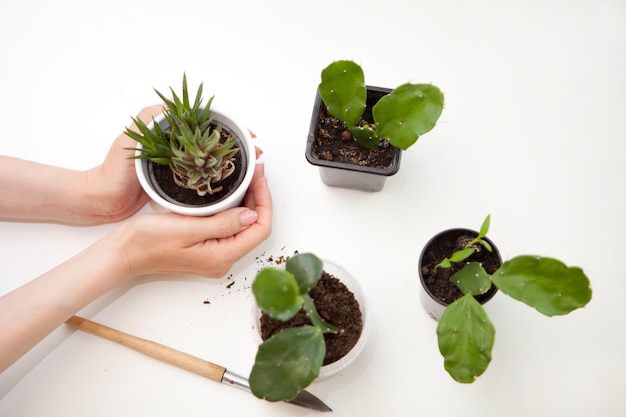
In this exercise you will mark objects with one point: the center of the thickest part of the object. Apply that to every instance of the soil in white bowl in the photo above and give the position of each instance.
(337, 305)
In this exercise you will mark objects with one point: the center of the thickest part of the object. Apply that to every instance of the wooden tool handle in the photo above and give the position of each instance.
(152, 349)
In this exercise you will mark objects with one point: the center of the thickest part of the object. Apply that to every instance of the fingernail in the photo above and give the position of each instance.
(262, 168)
(248, 217)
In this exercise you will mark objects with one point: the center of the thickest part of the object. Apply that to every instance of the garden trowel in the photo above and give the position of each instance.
(184, 360)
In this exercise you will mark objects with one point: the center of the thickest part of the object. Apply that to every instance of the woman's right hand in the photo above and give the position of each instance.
(206, 246)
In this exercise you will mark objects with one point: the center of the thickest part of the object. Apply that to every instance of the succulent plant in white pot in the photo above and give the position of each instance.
(193, 159)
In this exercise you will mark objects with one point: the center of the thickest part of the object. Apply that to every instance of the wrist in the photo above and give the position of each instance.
(134, 257)
(110, 199)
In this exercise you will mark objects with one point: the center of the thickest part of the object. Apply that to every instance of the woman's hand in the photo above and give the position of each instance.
(117, 192)
(106, 193)
(152, 243)
(207, 246)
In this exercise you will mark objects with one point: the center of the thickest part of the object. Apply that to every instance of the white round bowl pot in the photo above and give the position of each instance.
(233, 199)
(339, 365)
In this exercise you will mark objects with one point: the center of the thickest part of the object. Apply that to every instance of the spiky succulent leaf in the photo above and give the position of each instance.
(546, 284)
(155, 142)
(210, 139)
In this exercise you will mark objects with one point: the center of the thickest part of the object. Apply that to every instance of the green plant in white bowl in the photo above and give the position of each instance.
(310, 321)
(290, 360)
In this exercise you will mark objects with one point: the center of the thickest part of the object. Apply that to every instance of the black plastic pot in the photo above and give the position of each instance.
(443, 245)
(346, 175)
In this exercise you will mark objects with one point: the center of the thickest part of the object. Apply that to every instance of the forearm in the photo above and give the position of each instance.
(33, 191)
(32, 311)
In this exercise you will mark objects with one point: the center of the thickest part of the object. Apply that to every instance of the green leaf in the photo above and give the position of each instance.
(546, 284)
(472, 279)
(484, 228)
(307, 269)
(343, 91)
(408, 111)
(486, 245)
(287, 363)
(466, 337)
(186, 103)
(212, 140)
(171, 106)
(160, 161)
(316, 319)
(224, 151)
(445, 263)
(205, 115)
(461, 255)
(365, 136)
(276, 293)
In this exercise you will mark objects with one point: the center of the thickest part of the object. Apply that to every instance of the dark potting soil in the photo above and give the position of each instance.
(439, 283)
(334, 142)
(337, 305)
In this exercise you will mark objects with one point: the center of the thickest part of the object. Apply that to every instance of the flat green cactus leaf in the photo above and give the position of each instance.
(307, 269)
(365, 136)
(287, 362)
(407, 112)
(546, 284)
(343, 91)
(276, 293)
(466, 337)
(472, 279)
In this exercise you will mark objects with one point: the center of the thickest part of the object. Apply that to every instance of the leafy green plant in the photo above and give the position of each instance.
(465, 333)
(196, 149)
(400, 117)
(469, 248)
(290, 360)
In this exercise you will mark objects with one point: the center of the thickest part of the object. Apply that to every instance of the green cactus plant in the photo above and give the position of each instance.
(199, 153)
(400, 117)
(466, 335)
(289, 361)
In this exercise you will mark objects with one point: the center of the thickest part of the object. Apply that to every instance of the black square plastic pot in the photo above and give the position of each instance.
(346, 175)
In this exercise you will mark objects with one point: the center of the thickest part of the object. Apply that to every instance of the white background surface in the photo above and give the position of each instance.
(532, 132)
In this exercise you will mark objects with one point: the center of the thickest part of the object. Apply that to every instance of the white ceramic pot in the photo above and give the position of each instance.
(349, 281)
(234, 199)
